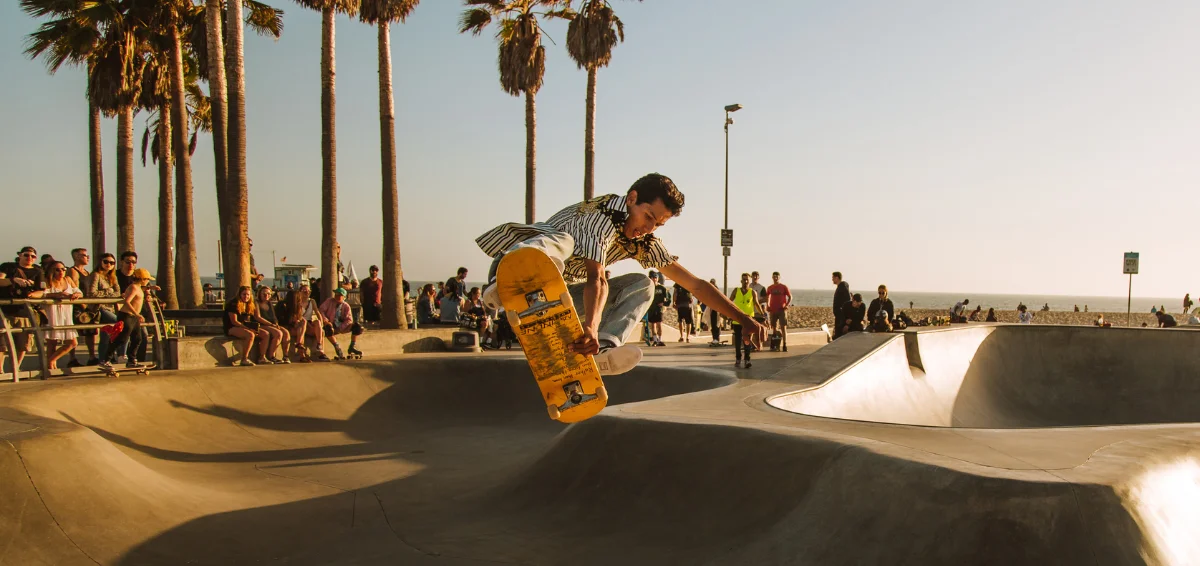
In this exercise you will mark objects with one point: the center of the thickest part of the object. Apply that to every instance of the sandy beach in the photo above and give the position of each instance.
(814, 317)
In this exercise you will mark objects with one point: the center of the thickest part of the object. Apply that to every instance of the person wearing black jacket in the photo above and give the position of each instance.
(853, 313)
(840, 297)
(882, 305)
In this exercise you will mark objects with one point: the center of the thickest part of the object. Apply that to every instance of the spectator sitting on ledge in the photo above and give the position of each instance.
(451, 304)
(426, 305)
(340, 320)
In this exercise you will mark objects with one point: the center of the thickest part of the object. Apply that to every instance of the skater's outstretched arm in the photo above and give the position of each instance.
(710, 296)
(595, 294)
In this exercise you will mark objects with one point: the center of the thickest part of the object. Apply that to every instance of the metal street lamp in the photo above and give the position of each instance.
(725, 249)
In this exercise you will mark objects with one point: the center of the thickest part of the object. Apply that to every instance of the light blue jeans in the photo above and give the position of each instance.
(629, 295)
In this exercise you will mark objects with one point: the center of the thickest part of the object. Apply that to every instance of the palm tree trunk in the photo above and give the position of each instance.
(530, 154)
(185, 240)
(328, 158)
(392, 302)
(166, 212)
(96, 170)
(234, 232)
(216, 93)
(125, 242)
(589, 139)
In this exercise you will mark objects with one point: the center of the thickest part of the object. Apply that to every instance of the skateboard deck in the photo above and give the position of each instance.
(543, 316)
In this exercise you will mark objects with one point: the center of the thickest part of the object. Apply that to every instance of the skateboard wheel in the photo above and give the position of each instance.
(553, 411)
(566, 299)
(513, 320)
(602, 393)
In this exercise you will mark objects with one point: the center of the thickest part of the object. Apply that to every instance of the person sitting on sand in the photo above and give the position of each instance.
(991, 316)
(1165, 320)
(975, 314)
(1103, 323)
(853, 313)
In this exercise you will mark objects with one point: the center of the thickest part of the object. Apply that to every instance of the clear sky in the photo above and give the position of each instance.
(1004, 147)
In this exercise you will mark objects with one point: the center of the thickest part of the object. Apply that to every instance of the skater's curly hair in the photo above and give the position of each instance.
(655, 186)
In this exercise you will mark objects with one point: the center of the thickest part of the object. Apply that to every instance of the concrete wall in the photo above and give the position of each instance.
(209, 351)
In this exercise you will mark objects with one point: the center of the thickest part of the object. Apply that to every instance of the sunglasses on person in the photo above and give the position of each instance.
(131, 261)
(32, 255)
(107, 262)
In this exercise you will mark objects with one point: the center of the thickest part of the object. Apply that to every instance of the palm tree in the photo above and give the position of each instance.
(329, 10)
(522, 60)
(70, 39)
(234, 232)
(208, 43)
(156, 98)
(382, 13)
(115, 86)
(591, 36)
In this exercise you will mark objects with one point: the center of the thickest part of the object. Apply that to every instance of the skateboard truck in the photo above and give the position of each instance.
(576, 397)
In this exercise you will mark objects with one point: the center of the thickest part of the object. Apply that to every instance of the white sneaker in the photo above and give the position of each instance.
(618, 360)
(491, 295)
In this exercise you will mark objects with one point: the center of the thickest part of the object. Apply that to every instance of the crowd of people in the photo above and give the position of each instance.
(30, 276)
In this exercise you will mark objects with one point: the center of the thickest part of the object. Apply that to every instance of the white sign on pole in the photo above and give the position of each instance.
(1131, 263)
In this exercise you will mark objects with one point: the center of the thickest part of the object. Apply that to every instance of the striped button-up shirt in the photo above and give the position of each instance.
(596, 226)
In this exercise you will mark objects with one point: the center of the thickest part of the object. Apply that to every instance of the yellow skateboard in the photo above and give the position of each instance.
(543, 317)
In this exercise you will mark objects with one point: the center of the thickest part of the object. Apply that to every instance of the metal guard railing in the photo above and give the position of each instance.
(39, 331)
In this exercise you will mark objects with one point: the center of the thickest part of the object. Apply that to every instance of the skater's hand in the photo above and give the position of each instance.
(753, 332)
(587, 344)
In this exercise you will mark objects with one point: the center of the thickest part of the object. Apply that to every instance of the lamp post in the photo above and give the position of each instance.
(725, 250)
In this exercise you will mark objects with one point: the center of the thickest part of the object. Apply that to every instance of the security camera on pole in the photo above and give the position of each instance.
(726, 233)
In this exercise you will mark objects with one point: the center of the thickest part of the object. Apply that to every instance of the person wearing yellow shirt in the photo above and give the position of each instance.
(746, 299)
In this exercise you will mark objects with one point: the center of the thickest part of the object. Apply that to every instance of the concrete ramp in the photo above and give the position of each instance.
(1016, 377)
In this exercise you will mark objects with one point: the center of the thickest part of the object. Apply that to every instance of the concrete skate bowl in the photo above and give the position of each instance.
(1016, 377)
(314, 464)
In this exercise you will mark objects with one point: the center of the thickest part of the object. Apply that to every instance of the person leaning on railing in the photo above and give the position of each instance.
(21, 279)
(100, 284)
(62, 339)
(131, 319)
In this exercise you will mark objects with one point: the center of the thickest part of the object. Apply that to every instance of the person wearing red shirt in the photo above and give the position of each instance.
(779, 297)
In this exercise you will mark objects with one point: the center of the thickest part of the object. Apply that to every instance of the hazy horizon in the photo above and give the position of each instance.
(1014, 148)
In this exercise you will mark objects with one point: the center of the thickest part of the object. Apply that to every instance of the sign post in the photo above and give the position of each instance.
(1131, 269)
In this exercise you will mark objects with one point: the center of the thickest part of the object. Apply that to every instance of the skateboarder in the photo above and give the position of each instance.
(586, 238)
(131, 318)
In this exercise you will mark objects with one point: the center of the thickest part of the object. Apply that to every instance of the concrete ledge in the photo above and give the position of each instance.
(210, 351)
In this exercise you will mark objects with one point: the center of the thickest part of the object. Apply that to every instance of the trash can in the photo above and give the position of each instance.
(465, 341)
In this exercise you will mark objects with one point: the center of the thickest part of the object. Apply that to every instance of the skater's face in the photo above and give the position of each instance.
(644, 218)
(775, 277)
(745, 281)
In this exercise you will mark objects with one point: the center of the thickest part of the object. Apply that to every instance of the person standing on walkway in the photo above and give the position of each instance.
(1187, 302)
(841, 296)
(779, 298)
(714, 318)
(746, 301)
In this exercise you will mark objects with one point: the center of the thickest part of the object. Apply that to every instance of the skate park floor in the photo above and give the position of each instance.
(980, 444)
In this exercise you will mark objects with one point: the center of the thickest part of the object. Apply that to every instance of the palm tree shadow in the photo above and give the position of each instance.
(282, 423)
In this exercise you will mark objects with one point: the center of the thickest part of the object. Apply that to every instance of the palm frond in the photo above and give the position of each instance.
(348, 7)
(593, 34)
(192, 144)
(375, 11)
(44, 8)
(474, 20)
(264, 19)
(145, 143)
